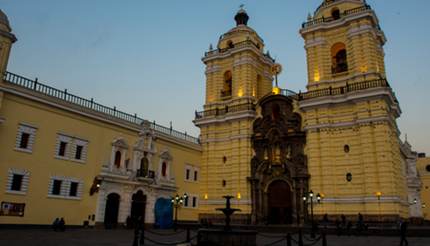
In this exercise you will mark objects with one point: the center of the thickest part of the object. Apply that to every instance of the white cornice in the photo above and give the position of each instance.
(225, 118)
(348, 123)
(340, 22)
(352, 96)
(230, 52)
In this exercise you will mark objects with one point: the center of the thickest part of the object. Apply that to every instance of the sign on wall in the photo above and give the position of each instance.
(12, 209)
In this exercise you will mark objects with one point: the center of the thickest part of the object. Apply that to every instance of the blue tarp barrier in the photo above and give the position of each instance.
(163, 213)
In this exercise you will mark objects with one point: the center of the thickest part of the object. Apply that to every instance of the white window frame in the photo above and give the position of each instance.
(191, 197)
(191, 177)
(29, 129)
(65, 188)
(24, 183)
(71, 148)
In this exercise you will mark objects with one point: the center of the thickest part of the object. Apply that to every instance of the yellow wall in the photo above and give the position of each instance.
(41, 163)
(422, 164)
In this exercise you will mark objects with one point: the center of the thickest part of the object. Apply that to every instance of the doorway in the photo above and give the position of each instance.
(280, 210)
(138, 205)
(111, 211)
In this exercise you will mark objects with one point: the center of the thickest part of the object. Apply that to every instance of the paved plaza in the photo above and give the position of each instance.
(96, 237)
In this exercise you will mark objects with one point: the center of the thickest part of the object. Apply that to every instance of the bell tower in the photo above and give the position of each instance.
(350, 114)
(238, 73)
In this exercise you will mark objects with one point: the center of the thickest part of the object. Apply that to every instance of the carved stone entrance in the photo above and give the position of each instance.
(279, 175)
(280, 206)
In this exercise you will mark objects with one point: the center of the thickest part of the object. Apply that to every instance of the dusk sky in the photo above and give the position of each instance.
(144, 56)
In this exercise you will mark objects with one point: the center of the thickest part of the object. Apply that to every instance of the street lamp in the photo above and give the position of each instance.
(311, 197)
(177, 202)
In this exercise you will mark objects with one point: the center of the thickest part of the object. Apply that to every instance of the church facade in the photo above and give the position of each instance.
(339, 140)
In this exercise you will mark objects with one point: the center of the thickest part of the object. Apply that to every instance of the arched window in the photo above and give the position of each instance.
(339, 58)
(144, 167)
(226, 91)
(230, 44)
(117, 161)
(335, 13)
(164, 169)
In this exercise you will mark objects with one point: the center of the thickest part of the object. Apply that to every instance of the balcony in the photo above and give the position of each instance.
(225, 110)
(348, 12)
(378, 83)
(239, 45)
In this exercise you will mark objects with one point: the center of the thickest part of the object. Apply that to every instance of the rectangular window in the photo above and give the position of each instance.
(16, 182)
(56, 187)
(186, 202)
(25, 137)
(78, 154)
(194, 201)
(187, 175)
(73, 189)
(62, 149)
(195, 175)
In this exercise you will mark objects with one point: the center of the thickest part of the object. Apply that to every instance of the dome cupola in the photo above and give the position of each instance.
(241, 17)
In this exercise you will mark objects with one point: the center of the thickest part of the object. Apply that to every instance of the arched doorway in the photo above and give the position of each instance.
(138, 205)
(279, 197)
(111, 211)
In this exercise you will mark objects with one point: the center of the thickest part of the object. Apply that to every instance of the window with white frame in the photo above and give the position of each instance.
(25, 138)
(71, 148)
(119, 154)
(191, 173)
(17, 182)
(164, 170)
(63, 187)
(191, 201)
(188, 172)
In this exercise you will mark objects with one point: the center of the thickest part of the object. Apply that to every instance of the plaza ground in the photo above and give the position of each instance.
(100, 237)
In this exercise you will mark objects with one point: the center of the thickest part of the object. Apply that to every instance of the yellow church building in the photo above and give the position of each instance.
(335, 147)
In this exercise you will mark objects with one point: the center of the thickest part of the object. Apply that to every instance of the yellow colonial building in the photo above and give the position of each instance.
(65, 156)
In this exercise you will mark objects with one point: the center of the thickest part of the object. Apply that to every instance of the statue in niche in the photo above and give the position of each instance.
(288, 152)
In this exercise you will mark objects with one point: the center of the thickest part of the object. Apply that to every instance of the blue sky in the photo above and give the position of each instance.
(144, 56)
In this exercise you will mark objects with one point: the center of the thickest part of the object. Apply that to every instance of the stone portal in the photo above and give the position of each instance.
(279, 175)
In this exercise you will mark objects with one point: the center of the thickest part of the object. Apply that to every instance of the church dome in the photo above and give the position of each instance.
(4, 21)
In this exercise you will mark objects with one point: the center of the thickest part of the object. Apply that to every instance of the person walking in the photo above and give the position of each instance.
(62, 225)
(55, 224)
(403, 230)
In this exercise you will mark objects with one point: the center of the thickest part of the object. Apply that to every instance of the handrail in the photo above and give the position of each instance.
(225, 110)
(47, 90)
(329, 19)
(344, 89)
(236, 46)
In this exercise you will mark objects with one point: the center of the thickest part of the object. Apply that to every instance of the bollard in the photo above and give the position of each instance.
(188, 235)
(289, 239)
(142, 236)
(300, 238)
(324, 239)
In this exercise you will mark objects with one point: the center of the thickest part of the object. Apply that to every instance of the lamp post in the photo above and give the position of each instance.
(378, 195)
(310, 196)
(177, 202)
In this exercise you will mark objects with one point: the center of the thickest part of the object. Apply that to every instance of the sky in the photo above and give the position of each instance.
(144, 56)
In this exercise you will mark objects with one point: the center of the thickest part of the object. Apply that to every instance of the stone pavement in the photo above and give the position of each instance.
(96, 237)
